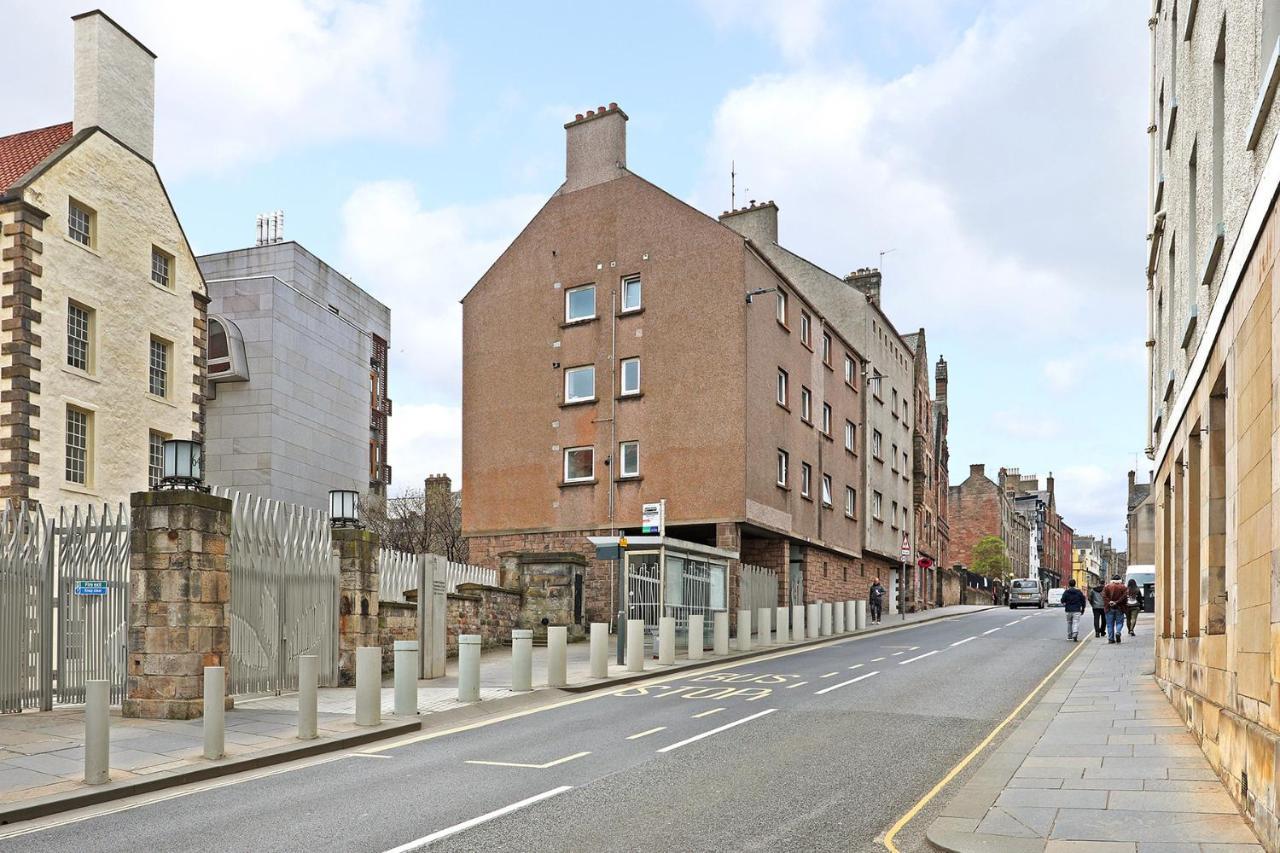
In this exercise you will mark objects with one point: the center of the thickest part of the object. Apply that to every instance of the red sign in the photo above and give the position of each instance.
(924, 562)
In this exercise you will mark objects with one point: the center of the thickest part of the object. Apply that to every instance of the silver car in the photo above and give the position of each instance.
(1026, 592)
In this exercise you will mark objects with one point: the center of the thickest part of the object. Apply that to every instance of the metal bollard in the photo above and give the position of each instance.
(405, 660)
(468, 667)
(850, 615)
(522, 659)
(368, 685)
(557, 649)
(308, 690)
(783, 614)
(812, 620)
(667, 640)
(97, 732)
(837, 618)
(744, 631)
(825, 627)
(215, 714)
(599, 649)
(797, 622)
(720, 633)
(695, 636)
(764, 630)
(635, 645)
(861, 613)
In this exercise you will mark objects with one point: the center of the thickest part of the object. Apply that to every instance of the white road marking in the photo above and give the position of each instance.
(855, 666)
(962, 642)
(707, 713)
(567, 758)
(797, 684)
(992, 631)
(846, 683)
(895, 654)
(364, 755)
(1014, 622)
(913, 648)
(829, 674)
(917, 657)
(476, 821)
(714, 731)
(876, 660)
(647, 732)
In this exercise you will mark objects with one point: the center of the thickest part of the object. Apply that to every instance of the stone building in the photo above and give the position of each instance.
(626, 348)
(1088, 564)
(298, 359)
(104, 306)
(1212, 242)
(1040, 506)
(929, 458)
(979, 507)
(1140, 524)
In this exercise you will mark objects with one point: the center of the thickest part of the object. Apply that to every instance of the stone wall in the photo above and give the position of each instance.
(357, 551)
(489, 611)
(598, 575)
(397, 620)
(547, 582)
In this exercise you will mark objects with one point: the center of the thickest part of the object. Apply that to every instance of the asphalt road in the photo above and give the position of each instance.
(816, 749)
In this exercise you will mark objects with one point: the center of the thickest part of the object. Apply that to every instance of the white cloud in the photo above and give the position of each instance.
(1061, 373)
(796, 26)
(421, 262)
(1091, 495)
(241, 81)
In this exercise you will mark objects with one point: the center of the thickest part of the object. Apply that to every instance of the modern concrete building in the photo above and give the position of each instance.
(103, 305)
(627, 348)
(1212, 242)
(298, 356)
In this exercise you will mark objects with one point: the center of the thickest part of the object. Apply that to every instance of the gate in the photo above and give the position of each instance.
(26, 611)
(93, 599)
(644, 590)
(757, 588)
(284, 594)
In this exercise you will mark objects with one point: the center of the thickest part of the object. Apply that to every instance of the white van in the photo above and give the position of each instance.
(1055, 596)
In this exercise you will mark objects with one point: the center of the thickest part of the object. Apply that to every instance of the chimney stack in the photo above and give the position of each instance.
(757, 222)
(978, 470)
(867, 282)
(940, 380)
(115, 83)
(595, 148)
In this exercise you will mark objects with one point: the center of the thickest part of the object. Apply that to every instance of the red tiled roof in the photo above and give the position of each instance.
(21, 152)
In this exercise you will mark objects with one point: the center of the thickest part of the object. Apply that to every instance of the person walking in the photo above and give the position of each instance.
(1133, 605)
(1099, 608)
(875, 598)
(1073, 601)
(1115, 595)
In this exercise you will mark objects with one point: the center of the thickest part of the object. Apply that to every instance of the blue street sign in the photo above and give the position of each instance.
(91, 587)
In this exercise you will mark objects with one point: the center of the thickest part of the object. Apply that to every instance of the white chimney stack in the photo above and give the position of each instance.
(115, 83)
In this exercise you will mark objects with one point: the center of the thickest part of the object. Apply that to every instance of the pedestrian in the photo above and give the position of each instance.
(1073, 602)
(1115, 595)
(875, 597)
(1133, 604)
(1099, 610)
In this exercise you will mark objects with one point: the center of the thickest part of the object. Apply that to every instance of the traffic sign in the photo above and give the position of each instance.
(651, 517)
(924, 563)
(906, 548)
(91, 587)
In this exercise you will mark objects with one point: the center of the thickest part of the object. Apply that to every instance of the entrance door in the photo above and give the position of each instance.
(895, 606)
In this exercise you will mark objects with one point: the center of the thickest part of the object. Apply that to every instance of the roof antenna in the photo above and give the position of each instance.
(733, 185)
(884, 252)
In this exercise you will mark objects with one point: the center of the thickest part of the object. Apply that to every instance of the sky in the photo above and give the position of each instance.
(994, 151)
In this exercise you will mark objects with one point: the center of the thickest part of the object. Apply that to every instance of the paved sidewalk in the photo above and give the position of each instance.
(1102, 763)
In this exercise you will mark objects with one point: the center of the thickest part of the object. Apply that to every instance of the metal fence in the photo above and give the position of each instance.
(757, 587)
(398, 573)
(26, 611)
(284, 594)
(458, 573)
(93, 599)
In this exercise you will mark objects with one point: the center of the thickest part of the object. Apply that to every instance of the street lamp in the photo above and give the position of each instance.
(344, 508)
(183, 465)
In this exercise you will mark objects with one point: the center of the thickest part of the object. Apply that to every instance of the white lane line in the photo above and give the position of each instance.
(707, 713)
(1014, 622)
(846, 683)
(528, 766)
(364, 755)
(476, 821)
(913, 648)
(856, 666)
(829, 674)
(962, 642)
(917, 657)
(895, 654)
(714, 731)
(876, 660)
(797, 684)
(992, 631)
(646, 733)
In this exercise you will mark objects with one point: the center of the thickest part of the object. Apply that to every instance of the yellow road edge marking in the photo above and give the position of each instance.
(564, 760)
(707, 713)
(887, 841)
(646, 733)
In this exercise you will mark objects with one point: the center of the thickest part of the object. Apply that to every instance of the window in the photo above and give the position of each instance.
(161, 265)
(893, 516)
(1191, 226)
(806, 404)
(631, 293)
(850, 501)
(79, 336)
(806, 477)
(782, 387)
(580, 303)
(629, 458)
(906, 412)
(906, 465)
(826, 349)
(893, 459)
(826, 418)
(155, 457)
(630, 376)
(79, 436)
(875, 385)
(1270, 29)
(1219, 118)
(782, 306)
(877, 505)
(80, 223)
(894, 398)
(850, 370)
(906, 519)
(158, 374)
(876, 438)
(804, 329)
(579, 464)
(579, 383)
(826, 490)
(850, 435)
(783, 463)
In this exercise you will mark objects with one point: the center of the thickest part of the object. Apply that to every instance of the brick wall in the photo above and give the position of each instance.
(974, 509)
(397, 620)
(488, 611)
(829, 576)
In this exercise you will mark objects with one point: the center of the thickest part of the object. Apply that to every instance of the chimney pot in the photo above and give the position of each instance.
(577, 117)
(613, 105)
(590, 113)
(599, 109)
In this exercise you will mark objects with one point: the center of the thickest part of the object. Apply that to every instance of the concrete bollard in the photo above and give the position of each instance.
(797, 622)
(837, 618)
(308, 691)
(368, 685)
(215, 712)
(667, 640)
(405, 659)
(860, 613)
(468, 667)
(744, 631)
(720, 633)
(764, 630)
(695, 636)
(783, 630)
(97, 732)
(824, 628)
(522, 659)
(850, 615)
(812, 620)
(635, 645)
(599, 649)
(557, 652)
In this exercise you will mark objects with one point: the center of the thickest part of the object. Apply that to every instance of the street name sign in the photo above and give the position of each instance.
(91, 587)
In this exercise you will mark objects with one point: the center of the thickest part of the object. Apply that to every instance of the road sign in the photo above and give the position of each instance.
(651, 517)
(91, 587)
(906, 548)
(924, 563)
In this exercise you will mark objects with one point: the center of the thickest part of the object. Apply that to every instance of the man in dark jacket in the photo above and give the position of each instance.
(1116, 597)
(1099, 610)
(876, 600)
(1073, 602)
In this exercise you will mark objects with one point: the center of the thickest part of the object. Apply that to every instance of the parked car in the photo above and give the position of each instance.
(1055, 596)
(1026, 592)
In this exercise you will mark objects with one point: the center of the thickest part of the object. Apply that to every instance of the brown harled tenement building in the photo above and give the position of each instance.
(627, 348)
